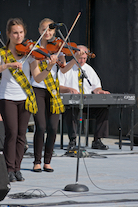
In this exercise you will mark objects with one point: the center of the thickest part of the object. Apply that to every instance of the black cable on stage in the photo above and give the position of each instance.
(28, 194)
(130, 190)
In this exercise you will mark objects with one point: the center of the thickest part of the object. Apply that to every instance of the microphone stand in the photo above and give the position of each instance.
(77, 187)
(1, 40)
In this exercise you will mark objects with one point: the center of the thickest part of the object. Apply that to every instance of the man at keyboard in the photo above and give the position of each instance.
(70, 82)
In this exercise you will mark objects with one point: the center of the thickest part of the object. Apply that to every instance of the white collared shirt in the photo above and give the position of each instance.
(70, 78)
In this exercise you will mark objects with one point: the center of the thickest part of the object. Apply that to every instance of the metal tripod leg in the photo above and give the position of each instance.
(120, 128)
(132, 124)
(61, 131)
(87, 126)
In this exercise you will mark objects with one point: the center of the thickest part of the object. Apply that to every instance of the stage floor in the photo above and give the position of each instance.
(111, 177)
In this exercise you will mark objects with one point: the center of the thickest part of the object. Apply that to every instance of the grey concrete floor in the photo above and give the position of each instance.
(111, 177)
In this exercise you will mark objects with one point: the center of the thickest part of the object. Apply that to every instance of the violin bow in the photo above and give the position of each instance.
(1, 40)
(69, 33)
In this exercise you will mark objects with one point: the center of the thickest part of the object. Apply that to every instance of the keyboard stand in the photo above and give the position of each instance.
(120, 129)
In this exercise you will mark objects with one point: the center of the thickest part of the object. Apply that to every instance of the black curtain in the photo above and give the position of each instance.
(108, 27)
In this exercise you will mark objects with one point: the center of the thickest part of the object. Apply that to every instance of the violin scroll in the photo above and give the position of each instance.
(91, 54)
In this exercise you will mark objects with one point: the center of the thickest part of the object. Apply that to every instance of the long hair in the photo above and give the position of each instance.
(11, 22)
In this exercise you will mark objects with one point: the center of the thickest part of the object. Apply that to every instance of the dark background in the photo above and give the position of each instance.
(107, 27)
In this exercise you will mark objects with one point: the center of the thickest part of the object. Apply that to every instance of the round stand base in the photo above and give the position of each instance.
(76, 188)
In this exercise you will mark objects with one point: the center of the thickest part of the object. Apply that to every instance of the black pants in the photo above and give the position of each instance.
(15, 119)
(44, 120)
(100, 114)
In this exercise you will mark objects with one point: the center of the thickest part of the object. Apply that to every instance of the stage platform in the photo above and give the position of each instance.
(111, 177)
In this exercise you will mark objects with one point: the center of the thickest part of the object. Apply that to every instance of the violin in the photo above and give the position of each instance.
(55, 45)
(38, 53)
(25, 47)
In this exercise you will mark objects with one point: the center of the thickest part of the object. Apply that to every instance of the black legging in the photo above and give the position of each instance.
(15, 119)
(44, 120)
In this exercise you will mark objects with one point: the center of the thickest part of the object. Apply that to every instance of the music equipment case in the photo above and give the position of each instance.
(4, 180)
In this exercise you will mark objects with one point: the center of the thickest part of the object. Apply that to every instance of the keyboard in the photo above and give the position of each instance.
(98, 99)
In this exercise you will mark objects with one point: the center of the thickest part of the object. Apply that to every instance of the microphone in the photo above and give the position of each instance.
(54, 25)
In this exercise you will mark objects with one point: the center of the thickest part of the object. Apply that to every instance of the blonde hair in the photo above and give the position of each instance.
(45, 20)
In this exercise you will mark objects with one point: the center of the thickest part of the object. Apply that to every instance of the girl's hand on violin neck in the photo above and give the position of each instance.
(52, 60)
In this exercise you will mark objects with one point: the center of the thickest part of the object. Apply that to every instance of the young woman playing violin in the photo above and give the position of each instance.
(17, 98)
(49, 106)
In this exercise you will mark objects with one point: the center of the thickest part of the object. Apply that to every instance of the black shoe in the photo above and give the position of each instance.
(48, 169)
(72, 145)
(99, 145)
(12, 177)
(37, 170)
(19, 176)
